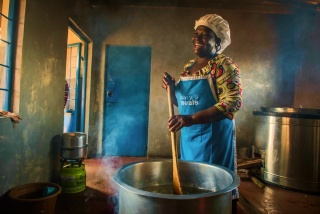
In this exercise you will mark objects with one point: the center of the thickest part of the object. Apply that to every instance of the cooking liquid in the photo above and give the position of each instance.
(168, 189)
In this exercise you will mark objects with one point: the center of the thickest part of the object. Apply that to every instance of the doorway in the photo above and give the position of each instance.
(75, 83)
(126, 100)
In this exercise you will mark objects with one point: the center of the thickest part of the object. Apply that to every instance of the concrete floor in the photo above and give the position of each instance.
(98, 197)
(273, 199)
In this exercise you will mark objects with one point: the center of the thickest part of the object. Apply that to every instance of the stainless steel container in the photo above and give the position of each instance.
(74, 146)
(290, 138)
(132, 180)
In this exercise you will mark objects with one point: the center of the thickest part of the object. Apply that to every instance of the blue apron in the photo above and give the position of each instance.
(211, 142)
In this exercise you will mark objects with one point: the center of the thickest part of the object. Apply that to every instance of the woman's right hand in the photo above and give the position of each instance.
(167, 80)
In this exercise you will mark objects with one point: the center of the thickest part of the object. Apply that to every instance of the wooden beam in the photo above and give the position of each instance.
(248, 163)
(259, 6)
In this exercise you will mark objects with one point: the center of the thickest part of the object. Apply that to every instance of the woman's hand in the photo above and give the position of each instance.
(176, 122)
(167, 80)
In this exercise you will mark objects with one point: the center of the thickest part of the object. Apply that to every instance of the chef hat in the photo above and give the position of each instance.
(219, 26)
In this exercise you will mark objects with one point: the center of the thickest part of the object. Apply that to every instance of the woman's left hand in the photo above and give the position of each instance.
(167, 80)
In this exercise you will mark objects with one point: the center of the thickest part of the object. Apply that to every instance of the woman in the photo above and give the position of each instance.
(208, 96)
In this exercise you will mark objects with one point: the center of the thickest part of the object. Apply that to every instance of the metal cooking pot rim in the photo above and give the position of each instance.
(290, 110)
(235, 184)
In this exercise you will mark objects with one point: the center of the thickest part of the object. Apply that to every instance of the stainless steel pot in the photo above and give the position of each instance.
(132, 180)
(74, 146)
(290, 138)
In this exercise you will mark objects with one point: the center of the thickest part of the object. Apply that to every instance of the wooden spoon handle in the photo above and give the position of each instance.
(176, 180)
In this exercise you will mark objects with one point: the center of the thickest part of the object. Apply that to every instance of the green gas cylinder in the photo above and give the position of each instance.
(73, 177)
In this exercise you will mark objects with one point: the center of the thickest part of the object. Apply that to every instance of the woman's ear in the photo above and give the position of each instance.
(218, 44)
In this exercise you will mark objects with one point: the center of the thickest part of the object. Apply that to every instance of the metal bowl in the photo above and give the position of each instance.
(133, 180)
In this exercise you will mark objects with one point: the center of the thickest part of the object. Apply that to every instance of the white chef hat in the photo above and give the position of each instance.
(219, 26)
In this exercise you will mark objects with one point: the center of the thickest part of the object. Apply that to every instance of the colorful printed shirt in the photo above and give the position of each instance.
(226, 77)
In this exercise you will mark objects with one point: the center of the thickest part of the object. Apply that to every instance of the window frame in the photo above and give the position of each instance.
(83, 91)
(6, 104)
(77, 91)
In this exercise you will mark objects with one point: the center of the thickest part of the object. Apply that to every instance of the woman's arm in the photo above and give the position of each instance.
(229, 88)
(176, 122)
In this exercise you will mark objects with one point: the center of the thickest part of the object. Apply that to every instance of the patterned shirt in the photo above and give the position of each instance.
(226, 78)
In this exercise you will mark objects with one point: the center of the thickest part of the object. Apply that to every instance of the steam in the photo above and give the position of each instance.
(114, 201)
(111, 163)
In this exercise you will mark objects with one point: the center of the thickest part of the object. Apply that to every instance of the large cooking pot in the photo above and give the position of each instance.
(290, 139)
(143, 188)
(74, 146)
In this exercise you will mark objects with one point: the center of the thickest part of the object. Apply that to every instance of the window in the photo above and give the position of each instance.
(6, 52)
(72, 76)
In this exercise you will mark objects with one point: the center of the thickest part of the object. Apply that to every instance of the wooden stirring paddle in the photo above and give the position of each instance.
(176, 180)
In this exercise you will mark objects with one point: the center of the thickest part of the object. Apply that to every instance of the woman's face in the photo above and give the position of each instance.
(204, 41)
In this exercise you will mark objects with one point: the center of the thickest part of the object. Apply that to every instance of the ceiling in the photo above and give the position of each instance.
(263, 6)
